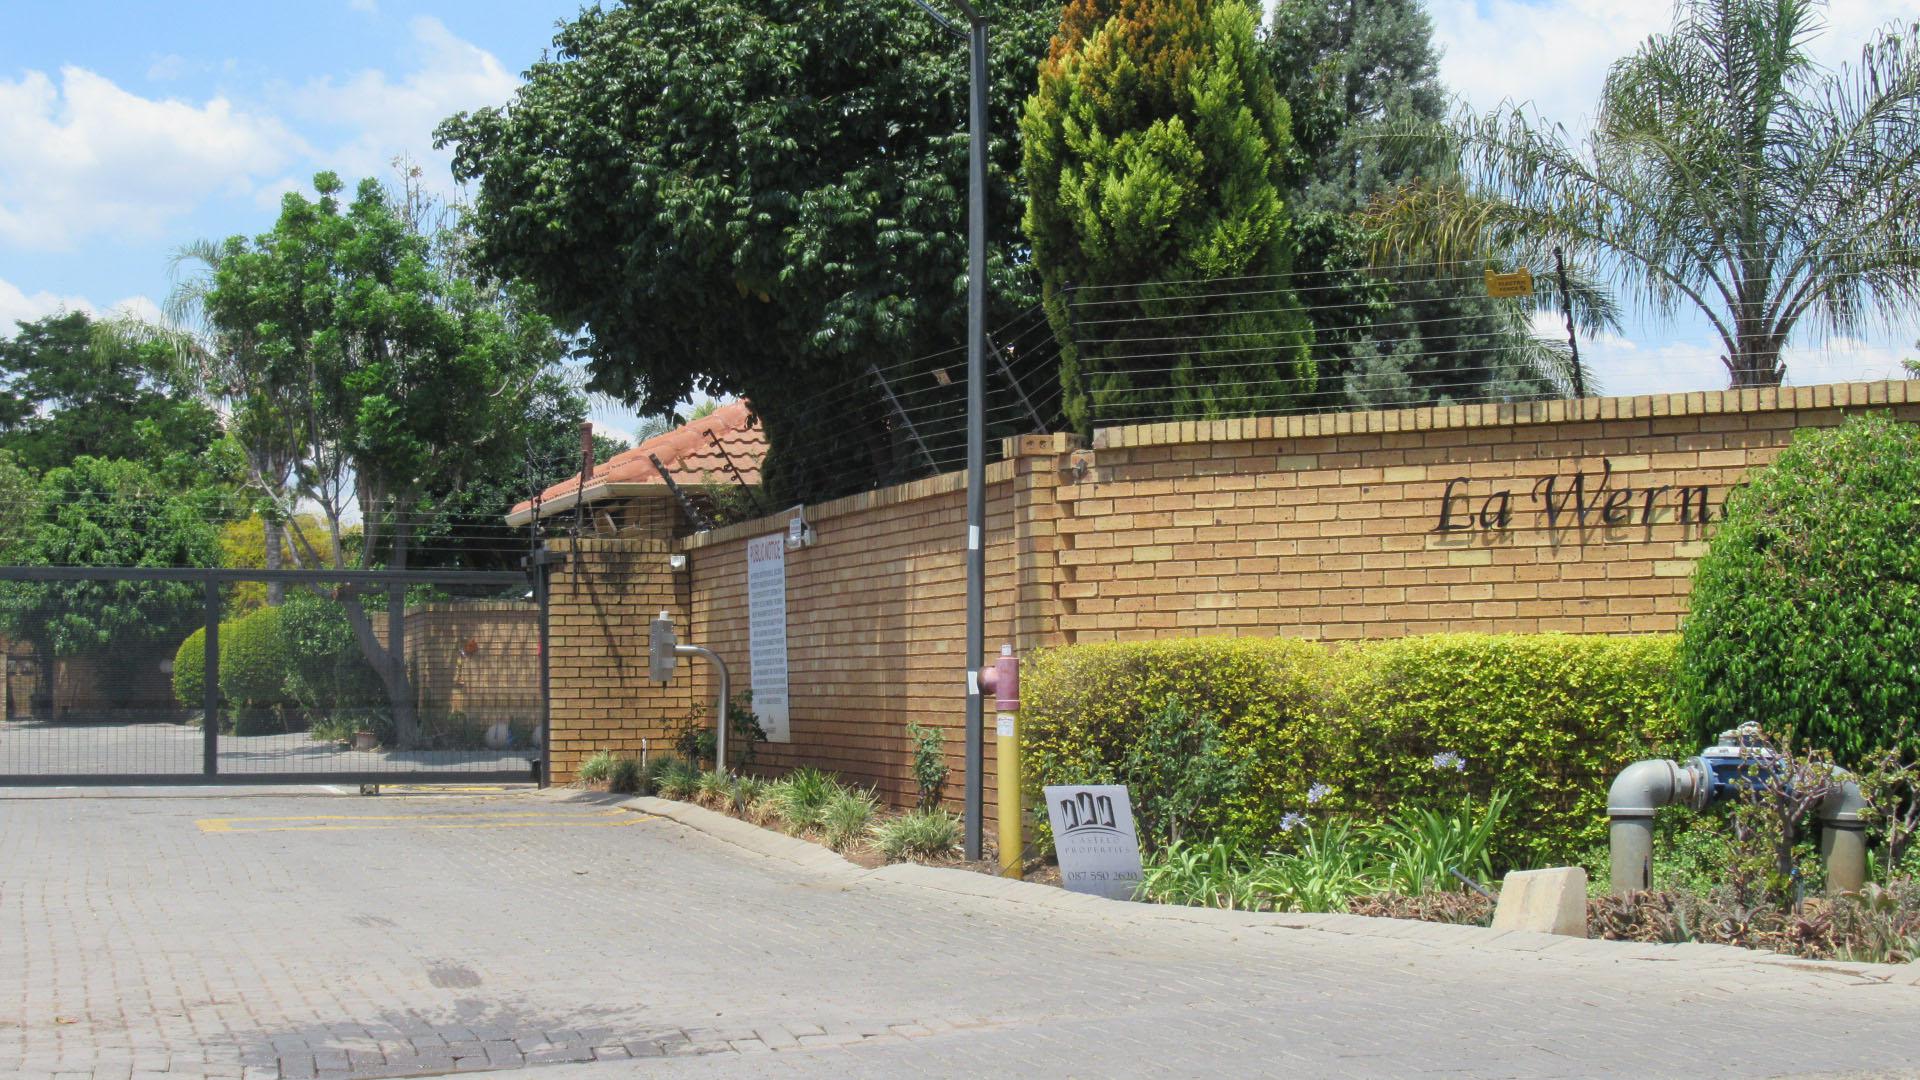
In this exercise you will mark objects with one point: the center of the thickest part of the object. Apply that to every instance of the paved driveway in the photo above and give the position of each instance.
(227, 936)
(158, 747)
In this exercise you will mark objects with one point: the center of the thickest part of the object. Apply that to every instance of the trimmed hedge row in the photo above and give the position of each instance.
(279, 665)
(1550, 718)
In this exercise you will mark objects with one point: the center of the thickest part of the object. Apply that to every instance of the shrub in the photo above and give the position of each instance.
(917, 834)
(1180, 768)
(714, 790)
(693, 739)
(253, 672)
(797, 799)
(326, 671)
(623, 778)
(1551, 718)
(677, 780)
(1084, 709)
(1425, 847)
(1366, 729)
(190, 670)
(929, 763)
(846, 818)
(597, 768)
(1805, 613)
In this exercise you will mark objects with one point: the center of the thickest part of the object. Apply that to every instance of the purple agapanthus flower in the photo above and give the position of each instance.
(1292, 821)
(1317, 792)
(1448, 761)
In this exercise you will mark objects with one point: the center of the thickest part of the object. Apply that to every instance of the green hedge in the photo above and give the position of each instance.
(253, 661)
(1805, 613)
(190, 670)
(1548, 717)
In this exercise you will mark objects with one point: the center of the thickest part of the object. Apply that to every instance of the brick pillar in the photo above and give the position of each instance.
(1038, 461)
(602, 602)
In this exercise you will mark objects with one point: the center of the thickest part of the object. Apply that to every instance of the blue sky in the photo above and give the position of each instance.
(127, 129)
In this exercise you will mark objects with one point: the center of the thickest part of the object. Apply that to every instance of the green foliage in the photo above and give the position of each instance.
(190, 670)
(694, 740)
(109, 513)
(845, 819)
(326, 669)
(1209, 873)
(929, 762)
(714, 789)
(917, 834)
(1805, 614)
(253, 661)
(677, 780)
(777, 188)
(1180, 768)
(1083, 708)
(798, 799)
(1425, 846)
(67, 391)
(624, 776)
(597, 768)
(1551, 718)
(1155, 150)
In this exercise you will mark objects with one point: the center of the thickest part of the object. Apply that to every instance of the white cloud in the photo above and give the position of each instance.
(88, 157)
(18, 306)
(392, 118)
(1555, 54)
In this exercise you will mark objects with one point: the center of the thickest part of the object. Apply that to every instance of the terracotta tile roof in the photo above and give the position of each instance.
(688, 452)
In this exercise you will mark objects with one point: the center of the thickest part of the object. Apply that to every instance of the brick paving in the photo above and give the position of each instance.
(206, 936)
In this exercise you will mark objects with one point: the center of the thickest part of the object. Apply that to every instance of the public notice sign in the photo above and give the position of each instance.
(767, 632)
(1094, 839)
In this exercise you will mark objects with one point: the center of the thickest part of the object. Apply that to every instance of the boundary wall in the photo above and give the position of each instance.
(1579, 516)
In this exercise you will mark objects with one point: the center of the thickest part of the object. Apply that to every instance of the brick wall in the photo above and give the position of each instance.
(1328, 527)
(601, 602)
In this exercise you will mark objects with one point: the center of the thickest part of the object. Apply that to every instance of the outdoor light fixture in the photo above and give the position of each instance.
(676, 562)
(799, 533)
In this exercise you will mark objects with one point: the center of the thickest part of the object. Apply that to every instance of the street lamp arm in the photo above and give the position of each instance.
(945, 23)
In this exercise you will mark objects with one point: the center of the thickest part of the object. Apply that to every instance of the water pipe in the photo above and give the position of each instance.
(1645, 786)
(664, 650)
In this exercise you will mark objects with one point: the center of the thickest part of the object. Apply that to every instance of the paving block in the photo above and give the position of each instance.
(1551, 901)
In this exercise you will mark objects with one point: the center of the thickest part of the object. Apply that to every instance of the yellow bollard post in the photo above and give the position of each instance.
(1002, 680)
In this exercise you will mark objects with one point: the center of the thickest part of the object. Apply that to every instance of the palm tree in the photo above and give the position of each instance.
(1726, 172)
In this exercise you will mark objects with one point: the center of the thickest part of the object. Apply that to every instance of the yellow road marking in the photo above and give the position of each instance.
(345, 822)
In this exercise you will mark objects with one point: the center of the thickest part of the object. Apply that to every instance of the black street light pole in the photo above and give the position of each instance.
(976, 35)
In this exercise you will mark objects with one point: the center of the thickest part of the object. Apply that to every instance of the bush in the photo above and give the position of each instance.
(917, 834)
(1552, 718)
(624, 777)
(929, 763)
(846, 818)
(798, 799)
(597, 768)
(190, 670)
(253, 660)
(1805, 615)
(1366, 728)
(677, 780)
(326, 671)
(1084, 709)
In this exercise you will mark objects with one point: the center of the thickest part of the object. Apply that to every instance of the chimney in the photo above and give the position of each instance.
(586, 450)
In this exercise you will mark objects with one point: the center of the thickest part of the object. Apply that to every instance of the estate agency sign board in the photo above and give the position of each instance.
(767, 632)
(1094, 839)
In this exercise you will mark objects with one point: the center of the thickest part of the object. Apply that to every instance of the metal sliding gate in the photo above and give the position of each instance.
(135, 676)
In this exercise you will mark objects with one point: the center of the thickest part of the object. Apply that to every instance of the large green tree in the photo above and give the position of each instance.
(404, 373)
(757, 199)
(1356, 73)
(100, 512)
(1727, 173)
(68, 391)
(1155, 155)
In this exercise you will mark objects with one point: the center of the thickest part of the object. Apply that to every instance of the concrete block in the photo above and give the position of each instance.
(1552, 901)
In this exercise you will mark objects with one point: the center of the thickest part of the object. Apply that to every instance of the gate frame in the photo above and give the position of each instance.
(535, 575)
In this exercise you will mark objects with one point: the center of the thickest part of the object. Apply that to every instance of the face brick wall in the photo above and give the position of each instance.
(1329, 527)
(601, 603)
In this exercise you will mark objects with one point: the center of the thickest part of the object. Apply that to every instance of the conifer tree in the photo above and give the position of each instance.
(1155, 150)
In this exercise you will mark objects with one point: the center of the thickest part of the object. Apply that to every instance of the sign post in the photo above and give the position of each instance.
(1094, 838)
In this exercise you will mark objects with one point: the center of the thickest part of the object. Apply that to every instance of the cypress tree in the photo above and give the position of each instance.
(1155, 153)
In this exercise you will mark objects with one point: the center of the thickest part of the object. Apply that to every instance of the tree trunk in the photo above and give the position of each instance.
(276, 534)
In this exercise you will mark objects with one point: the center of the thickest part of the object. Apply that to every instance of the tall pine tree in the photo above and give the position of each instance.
(1355, 73)
(1155, 151)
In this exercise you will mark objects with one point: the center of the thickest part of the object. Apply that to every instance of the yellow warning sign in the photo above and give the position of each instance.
(1517, 283)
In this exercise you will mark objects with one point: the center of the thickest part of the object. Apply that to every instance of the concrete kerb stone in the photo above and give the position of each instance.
(813, 857)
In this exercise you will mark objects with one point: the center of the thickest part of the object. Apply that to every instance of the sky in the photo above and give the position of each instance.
(128, 129)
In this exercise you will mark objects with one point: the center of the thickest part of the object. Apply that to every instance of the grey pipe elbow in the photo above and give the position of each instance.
(1643, 787)
(1843, 805)
(1843, 835)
